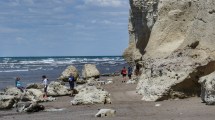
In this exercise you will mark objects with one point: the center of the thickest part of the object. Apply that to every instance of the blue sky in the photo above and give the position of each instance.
(63, 27)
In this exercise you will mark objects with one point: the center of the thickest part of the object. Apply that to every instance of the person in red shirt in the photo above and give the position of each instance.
(124, 73)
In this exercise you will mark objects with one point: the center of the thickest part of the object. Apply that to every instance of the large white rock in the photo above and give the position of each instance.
(89, 71)
(7, 101)
(106, 113)
(33, 95)
(66, 73)
(57, 89)
(208, 88)
(91, 95)
(14, 92)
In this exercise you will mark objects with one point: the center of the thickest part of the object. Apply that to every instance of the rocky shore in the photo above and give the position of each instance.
(125, 101)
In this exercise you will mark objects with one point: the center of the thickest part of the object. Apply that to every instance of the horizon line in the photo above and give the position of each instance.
(68, 56)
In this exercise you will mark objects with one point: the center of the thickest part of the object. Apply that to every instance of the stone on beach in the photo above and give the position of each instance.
(57, 89)
(29, 107)
(66, 73)
(208, 89)
(36, 95)
(131, 81)
(90, 71)
(7, 101)
(35, 86)
(109, 82)
(33, 95)
(14, 91)
(91, 95)
(106, 113)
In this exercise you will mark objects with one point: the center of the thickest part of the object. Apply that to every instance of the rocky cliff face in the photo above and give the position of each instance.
(143, 14)
(179, 47)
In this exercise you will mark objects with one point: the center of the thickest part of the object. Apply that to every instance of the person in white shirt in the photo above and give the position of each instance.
(45, 83)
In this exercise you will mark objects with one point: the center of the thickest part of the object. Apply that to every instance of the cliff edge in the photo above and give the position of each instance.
(173, 41)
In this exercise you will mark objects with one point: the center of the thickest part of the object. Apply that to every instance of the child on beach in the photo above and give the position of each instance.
(124, 73)
(45, 83)
(19, 84)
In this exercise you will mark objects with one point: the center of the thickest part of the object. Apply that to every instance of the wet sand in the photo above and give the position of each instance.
(128, 106)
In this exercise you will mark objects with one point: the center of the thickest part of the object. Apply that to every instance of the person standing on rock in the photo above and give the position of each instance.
(71, 83)
(129, 72)
(45, 83)
(124, 73)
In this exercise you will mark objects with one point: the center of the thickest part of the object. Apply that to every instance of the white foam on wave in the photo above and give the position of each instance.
(21, 70)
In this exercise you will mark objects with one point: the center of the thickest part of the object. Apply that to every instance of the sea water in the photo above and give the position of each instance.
(30, 69)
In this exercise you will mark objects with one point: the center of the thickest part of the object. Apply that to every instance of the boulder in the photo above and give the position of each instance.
(90, 71)
(35, 86)
(106, 113)
(91, 95)
(66, 73)
(35, 95)
(57, 89)
(208, 89)
(14, 92)
(80, 81)
(180, 48)
(29, 107)
(7, 101)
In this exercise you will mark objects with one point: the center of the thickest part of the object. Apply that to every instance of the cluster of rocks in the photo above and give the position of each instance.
(28, 100)
(90, 92)
(173, 41)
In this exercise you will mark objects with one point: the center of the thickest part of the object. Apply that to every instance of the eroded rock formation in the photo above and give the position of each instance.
(88, 94)
(66, 73)
(90, 71)
(180, 48)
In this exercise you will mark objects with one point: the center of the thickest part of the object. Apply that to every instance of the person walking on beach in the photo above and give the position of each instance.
(71, 83)
(124, 73)
(45, 83)
(19, 84)
(129, 72)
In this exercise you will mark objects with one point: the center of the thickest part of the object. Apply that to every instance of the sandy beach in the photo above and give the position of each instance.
(126, 102)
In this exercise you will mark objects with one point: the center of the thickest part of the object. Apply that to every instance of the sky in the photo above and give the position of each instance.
(63, 27)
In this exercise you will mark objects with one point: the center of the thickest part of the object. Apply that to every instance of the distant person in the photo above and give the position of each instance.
(45, 83)
(137, 70)
(71, 80)
(130, 72)
(124, 73)
(19, 84)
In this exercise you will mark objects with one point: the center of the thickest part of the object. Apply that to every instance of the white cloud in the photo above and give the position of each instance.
(106, 3)
(108, 22)
(21, 40)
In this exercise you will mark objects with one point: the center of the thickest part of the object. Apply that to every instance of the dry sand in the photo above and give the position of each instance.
(128, 106)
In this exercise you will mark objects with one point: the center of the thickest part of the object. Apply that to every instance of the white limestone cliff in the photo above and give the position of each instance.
(180, 47)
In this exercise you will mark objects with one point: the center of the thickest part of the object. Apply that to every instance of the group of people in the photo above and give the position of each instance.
(20, 86)
(124, 73)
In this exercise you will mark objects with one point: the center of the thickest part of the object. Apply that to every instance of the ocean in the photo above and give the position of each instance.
(30, 69)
